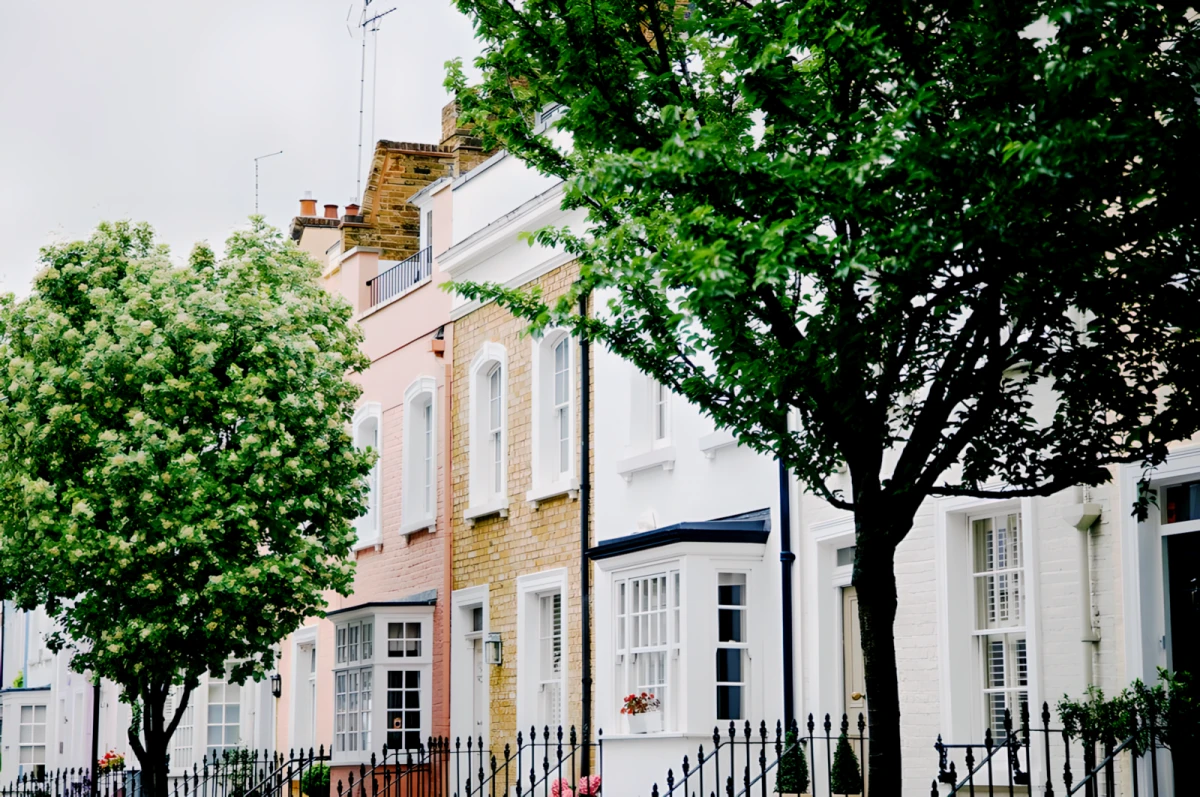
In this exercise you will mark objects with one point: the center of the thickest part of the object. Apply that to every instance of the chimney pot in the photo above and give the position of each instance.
(308, 206)
(351, 209)
(331, 211)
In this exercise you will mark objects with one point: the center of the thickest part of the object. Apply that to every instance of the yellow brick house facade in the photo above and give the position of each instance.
(515, 460)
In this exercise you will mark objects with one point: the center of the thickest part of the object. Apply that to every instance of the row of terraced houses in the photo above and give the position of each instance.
(466, 617)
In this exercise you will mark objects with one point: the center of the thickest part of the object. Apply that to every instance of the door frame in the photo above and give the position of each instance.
(462, 637)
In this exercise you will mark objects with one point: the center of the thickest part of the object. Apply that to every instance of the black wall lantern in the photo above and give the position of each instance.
(276, 685)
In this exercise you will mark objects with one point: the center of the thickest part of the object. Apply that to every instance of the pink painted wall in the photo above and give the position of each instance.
(398, 339)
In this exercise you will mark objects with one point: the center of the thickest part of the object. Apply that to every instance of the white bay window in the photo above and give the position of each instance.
(648, 635)
(398, 665)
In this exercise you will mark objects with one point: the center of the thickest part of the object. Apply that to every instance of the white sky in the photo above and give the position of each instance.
(154, 111)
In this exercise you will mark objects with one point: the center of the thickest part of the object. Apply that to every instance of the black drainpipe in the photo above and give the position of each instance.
(585, 505)
(786, 557)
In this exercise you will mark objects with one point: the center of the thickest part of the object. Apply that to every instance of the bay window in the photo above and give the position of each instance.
(648, 635)
(224, 718)
(732, 647)
(31, 741)
(399, 666)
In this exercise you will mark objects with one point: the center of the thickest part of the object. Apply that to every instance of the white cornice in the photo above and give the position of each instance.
(541, 211)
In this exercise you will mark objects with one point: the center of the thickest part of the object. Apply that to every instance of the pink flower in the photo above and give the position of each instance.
(561, 788)
(589, 786)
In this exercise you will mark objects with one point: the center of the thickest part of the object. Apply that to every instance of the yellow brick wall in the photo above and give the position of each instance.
(498, 550)
(398, 171)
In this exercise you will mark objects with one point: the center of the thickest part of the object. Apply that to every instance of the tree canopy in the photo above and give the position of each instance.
(951, 246)
(177, 482)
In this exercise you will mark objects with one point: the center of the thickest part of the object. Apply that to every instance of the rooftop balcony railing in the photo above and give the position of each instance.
(402, 277)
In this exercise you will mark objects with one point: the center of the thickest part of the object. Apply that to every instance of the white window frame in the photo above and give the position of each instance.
(531, 588)
(626, 657)
(743, 645)
(549, 478)
(27, 738)
(960, 666)
(183, 741)
(369, 526)
(1001, 612)
(372, 726)
(212, 749)
(484, 497)
(650, 445)
(419, 500)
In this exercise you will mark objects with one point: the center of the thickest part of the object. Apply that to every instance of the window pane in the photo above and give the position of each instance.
(729, 625)
(477, 618)
(845, 556)
(729, 702)
(729, 664)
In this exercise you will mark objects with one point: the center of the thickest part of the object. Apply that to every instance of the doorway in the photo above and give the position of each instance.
(853, 678)
(1182, 569)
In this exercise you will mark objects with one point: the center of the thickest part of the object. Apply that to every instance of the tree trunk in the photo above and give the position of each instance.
(875, 582)
(151, 746)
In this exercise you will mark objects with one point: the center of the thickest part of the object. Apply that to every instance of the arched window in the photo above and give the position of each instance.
(489, 433)
(419, 499)
(367, 426)
(553, 421)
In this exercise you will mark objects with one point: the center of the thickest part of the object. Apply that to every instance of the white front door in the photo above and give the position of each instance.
(477, 691)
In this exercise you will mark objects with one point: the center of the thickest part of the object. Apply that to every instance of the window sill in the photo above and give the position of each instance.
(497, 506)
(655, 458)
(362, 545)
(633, 737)
(427, 523)
(540, 493)
(711, 443)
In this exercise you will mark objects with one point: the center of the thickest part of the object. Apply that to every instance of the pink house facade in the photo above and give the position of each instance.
(375, 670)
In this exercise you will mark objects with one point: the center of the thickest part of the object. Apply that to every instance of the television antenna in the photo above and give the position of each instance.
(256, 160)
(367, 23)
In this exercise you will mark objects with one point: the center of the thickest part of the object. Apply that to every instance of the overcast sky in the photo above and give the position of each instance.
(154, 111)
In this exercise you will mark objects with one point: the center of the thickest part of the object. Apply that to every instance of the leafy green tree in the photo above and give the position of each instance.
(177, 482)
(950, 246)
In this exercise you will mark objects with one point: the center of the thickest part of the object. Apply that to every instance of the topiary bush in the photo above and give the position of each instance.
(793, 767)
(846, 778)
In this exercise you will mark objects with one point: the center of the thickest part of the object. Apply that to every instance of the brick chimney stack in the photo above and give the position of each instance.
(331, 211)
(308, 205)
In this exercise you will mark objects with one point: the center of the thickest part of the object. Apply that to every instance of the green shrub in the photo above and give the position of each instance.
(315, 781)
(793, 767)
(1174, 704)
(846, 777)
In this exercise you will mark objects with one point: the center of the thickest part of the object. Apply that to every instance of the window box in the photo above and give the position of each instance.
(649, 722)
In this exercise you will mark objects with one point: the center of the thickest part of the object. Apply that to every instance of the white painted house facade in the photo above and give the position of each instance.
(47, 720)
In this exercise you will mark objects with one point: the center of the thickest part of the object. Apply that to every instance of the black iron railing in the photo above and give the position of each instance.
(747, 763)
(402, 277)
(1083, 763)
(544, 764)
(231, 773)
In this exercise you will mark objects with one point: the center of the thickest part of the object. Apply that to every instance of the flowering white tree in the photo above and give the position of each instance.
(177, 483)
